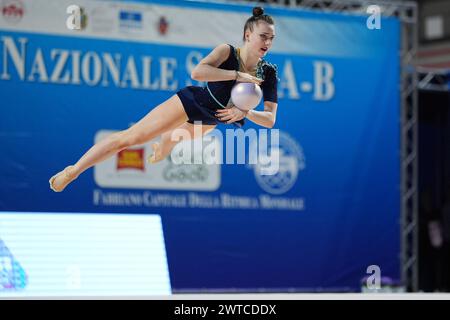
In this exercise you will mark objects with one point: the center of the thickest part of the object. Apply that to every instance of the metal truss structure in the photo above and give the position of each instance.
(434, 79)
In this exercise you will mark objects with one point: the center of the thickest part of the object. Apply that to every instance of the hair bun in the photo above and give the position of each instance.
(258, 11)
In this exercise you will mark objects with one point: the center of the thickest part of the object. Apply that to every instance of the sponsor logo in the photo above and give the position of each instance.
(131, 159)
(182, 173)
(130, 169)
(130, 19)
(163, 25)
(13, 10)
(291, 159)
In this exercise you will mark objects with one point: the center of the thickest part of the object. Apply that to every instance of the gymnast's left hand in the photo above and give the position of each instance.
(230, 115)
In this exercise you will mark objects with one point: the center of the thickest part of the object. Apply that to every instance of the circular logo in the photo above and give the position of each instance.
(13, 10)
(278, 173)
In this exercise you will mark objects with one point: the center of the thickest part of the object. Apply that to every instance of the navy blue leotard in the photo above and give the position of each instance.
(201, 103)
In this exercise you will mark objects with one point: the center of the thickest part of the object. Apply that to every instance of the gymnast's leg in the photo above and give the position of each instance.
(166, 116)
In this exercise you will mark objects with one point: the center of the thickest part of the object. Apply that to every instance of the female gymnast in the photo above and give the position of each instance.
(209, 105)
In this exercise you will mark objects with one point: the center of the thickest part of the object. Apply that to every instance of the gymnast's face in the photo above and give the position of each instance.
(260, 39)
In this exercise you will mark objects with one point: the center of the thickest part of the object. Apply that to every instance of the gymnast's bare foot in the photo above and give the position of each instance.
(60, 180)
(157, 153)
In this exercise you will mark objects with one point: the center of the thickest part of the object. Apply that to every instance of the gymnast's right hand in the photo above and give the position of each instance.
(245, 77)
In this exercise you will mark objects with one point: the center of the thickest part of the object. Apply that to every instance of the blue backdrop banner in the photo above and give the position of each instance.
(331, 210)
